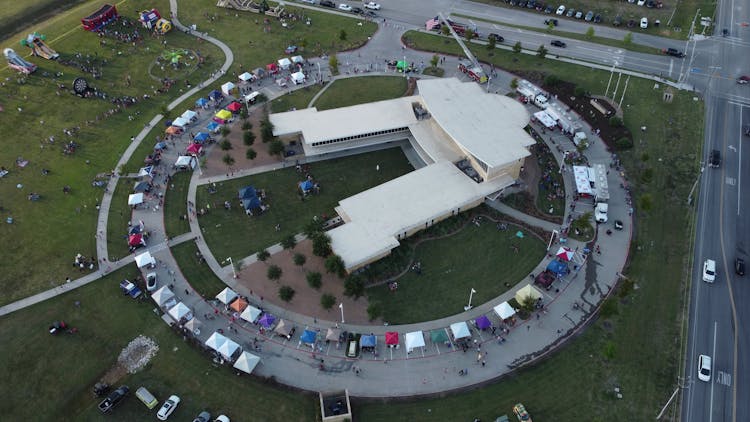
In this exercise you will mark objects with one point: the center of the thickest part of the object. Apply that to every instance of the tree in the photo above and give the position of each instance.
(225, 131)
(263, 7)
(491, 43)
(225, 145)
(246, 125)
(266, 130)
(314, 280)
(228, 160)
(313, 227)
(273, 272)
(551, 80)
(299, 259)
(276, 147)
(250, 154)
(286, 293)
(550, 26)
(517, 47)
(335, 265)
(434, 60)
(243, 113)
(514, 83)
(615, 121)
(327, 301)
(333, 63)
(289, 242)
(541, 52)
(262, 255)
(321, 245)
(342, 35)
(628, 39)
(248, 138)
(445, 30)
(354, 286)
(469, 34)
(590, 32)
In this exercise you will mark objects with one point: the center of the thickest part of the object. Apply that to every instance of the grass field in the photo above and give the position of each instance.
(232, 233)
(634, 344)
(200, 276)
(364, 89)
(175, 205)
(117, 222)
(485, 263)
(57, 372)
(296, 100)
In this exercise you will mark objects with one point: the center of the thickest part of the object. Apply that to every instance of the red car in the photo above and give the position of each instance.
(744, 79)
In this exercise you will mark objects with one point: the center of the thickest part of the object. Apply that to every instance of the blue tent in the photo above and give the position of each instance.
(306, 186)
(167, 123)
(368, 341)
(251, 204)
(201, 137)
(308, 337)
(160, 146)
(248, 192)
(558, 267)
(215, 95)
(201, 102)
(135, 230)
(213, 127)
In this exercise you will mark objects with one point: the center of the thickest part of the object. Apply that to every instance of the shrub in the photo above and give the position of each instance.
(354, 286)
(263, 255)
(615, 121)
(579, 91)
(228, 160)
(225, 131)
(289, 242)
(248, 138)
(541, 52)
(342, 35)
(274, 272)
(517, 47)
(335, 265)
(551, 80)
(286, 293)
(590, 32)
(276, 147)
(250, 154)
(491, 43)
(609, 308)
(299, 259)
(514, 83)
(266, 130)
(333, 63)
(321, 245)
(624, 143)
(225, 145)
(327, 301)
(314, 280)
(247, 125)
(243, 113)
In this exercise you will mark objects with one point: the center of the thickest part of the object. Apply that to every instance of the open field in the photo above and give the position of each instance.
(117, 222)
(232, 233)
(486, 262)
(200, 276)
(58, 372)
(175, 205)
(296, 100)
(364, 89)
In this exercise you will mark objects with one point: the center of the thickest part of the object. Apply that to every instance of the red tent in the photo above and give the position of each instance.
(135, 240)
(272, 68)
(391, 338)
(234, 106)
(195, 149)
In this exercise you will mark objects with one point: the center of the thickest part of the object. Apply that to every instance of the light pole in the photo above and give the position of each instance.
(471, 294)
(341, 306)
(405, 77)
(229, 259)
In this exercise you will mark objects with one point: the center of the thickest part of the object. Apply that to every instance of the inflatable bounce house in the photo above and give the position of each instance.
(17, 63)
(151, 19)
(101, 17)
(38, 47)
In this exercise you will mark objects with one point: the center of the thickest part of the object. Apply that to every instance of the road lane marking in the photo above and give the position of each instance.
(739, 168)
(713, 359)
(731, 181)
(724, 378)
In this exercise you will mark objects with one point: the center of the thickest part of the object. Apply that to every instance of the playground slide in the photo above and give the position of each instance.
(41, 49)
(16, 62)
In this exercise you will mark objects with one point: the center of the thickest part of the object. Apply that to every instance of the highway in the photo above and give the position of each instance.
(717, 316)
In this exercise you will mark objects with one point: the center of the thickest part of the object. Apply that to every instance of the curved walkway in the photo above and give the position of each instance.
(390, 372)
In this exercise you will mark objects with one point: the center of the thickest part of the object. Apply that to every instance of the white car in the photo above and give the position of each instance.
(222, 418)
(151, 282)
(704, 368)
(345, 7)
(644, 22)
(600, 212)
(709, 271)
(168, 407)
(560, 10)
(372, 5)
(641, 2)
(308, 1)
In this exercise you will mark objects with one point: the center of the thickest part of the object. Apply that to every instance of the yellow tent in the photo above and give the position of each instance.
(224, 114)
(527, 291)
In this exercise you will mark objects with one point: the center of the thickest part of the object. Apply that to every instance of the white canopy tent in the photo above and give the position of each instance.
(413, 340)
(284, 63)
(545, 119)
(144, 260)
(527, 291)
(135, 198)
(504, 310)
(247, 362)
(298, 78)
(460, 330)
(247, 76)
(297, 59)
(145, 171)
(583, 181)
(226, 296)
(227, 88)
(194, 325)
(228, 349)
(162, 296)
(215, 341)
(251, 314)
(179, 311)
(283, 328)
(250, 98)
(185, 161)
(189, 115)
(180, 122)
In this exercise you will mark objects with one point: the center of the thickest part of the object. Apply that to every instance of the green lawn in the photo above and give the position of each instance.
(198, 274)
(485, 262)
(232, 233)
(175, 205)
(117, 222)
(634, 343)
(364, 89)
(57, 373)
(295, 100)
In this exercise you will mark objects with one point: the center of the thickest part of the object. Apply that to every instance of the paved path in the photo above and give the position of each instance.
(387, 371)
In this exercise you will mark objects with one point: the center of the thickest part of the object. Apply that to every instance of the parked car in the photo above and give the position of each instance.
(372, 5)
(370, 13)
(617, 21)
(146, 397)
(631, 23)
(589, 16)
(357, 10)
(151, 282)
(550, 21)
(673, 52)
(521, 413)
(644, 22)
(497, 37)
(345, 7)
(709, 271)
(222, 418)
(558, 43)
(743, 80)
(641, 2)
(618, 225)
(168, 407)
(113, 399)
(704, 368)
(203, 416)
(600, 212)
(560, 10)
(548, 10)
(579, 15)
(650, 4)
(570, 12)
(308, 1)
(597, 18)
(328, 3)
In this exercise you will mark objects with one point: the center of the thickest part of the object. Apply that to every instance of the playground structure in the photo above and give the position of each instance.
(100, 18)
(38, 47)
(251, 6)
(151, 19)
(17, 63)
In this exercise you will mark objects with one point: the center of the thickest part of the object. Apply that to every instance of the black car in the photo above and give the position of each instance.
(497, 37)
(714, 159)
(558, 43)
(548, 10)
(617, 21)
(673, 52)
(328, 3)
(550, 21)
(597, 18)
(632, 23)
(371, 14)
(357, 10)
(739, 266)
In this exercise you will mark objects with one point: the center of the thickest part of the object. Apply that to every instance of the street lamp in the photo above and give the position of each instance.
(229, 259)
(341, 306)
(471, 294)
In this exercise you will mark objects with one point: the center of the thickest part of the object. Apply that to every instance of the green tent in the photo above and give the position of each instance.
(438, 336)
(401, 65)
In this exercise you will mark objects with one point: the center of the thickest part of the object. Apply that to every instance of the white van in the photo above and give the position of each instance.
(146, 397)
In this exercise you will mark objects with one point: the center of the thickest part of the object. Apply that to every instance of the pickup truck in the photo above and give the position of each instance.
(113, 399)
(130, 289)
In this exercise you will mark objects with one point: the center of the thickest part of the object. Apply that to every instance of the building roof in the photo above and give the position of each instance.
(488, 126)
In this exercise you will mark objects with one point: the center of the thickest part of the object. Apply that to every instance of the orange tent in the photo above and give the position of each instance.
(173, 130)
(239, 305)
